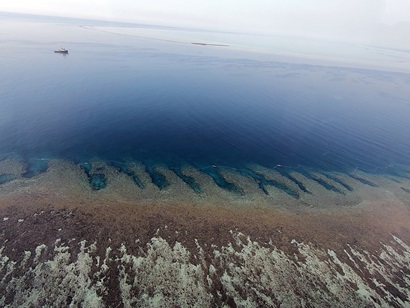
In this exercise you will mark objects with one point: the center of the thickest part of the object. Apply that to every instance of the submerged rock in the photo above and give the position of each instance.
(157, 178)
(190, 181)
(222, 182)
(35, 167)
(4, 178)
(98, 181)
(123, 168)
(87, 167)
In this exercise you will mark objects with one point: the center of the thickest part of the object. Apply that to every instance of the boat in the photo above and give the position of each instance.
(61, 50)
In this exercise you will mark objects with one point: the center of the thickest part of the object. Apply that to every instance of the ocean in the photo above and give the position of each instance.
(117, 97)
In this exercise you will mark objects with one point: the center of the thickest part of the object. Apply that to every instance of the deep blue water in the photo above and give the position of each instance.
(118, 98)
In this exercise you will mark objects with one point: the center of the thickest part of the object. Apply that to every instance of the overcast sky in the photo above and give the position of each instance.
(358, 20)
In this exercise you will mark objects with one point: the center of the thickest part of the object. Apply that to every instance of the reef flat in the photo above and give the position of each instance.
(213, 236)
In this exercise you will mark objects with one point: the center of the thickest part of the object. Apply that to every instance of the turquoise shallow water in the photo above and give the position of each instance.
(117, 98)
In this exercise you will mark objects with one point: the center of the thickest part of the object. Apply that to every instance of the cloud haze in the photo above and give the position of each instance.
(371, 21)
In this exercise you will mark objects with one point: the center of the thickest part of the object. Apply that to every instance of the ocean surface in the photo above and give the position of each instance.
(147, 93)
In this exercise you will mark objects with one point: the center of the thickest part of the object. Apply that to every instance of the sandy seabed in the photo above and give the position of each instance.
(64, 244)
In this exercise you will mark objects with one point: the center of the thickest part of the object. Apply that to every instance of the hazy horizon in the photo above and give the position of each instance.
(382, 23)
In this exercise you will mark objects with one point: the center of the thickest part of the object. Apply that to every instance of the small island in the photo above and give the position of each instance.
(206, 44)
